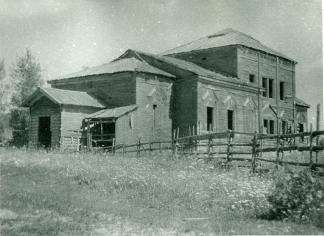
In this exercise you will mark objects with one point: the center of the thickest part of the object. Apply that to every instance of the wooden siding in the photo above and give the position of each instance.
(243, 105)
(126, 132)
(44, 107)
(72, 125)
(222, 60)
(184, 105)
(153, 117)
(114, 90)
(251, 61)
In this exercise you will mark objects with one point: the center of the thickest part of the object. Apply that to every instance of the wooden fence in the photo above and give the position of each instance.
(233, 146)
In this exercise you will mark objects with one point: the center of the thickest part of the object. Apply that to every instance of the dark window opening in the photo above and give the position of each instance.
(268, 126)
(230, 119)
(210, 118)
(252, 78)
(282, 90)
(265, 86)
(204, 58)
(272, 127)
(44, 131)
(270, 88)
(300, 127)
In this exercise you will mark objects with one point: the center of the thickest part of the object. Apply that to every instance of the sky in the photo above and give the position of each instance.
(67, 35)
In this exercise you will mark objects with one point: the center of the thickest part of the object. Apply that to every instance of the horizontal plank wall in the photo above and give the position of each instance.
(222, 59)
(72, 125)
(243, 105)
(253, 62)
(114, 90)
(184, 105)
(44, 107)
(126, 128)
(153, 116)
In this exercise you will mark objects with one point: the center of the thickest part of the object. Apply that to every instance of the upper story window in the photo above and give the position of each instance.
(282, 90)
(252, 78)
(268, 85)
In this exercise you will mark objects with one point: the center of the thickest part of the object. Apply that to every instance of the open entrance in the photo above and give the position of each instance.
(44, 131)
(230, 119)
(102, 133)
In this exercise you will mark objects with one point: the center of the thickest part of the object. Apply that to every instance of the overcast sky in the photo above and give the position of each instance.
(66, 35)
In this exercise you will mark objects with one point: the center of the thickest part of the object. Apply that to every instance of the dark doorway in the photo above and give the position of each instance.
(230, 119)
(44, 131)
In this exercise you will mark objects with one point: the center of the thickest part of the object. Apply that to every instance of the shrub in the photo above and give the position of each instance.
(297, 196)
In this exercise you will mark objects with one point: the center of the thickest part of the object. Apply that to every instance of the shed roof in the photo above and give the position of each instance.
(225, 37)
(300, 102)
(65, 97)
(112, 113)
(127, 64)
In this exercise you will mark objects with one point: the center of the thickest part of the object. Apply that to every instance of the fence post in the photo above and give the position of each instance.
(139, 147)
(209, 144)
(113, 146)
(277, 152)
(254, 151)
(311, 147)
(229, 145)
(317, 128)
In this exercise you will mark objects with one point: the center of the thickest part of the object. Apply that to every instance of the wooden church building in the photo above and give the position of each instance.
(227, 80)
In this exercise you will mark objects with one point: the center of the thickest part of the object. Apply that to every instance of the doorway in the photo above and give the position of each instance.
(44, 131)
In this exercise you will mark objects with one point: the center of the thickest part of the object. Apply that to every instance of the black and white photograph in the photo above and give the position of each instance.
(161, 117)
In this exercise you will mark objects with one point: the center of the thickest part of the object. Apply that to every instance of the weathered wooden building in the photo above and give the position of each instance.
(227, 80)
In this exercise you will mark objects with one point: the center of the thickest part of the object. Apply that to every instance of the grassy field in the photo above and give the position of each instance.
(98, 194)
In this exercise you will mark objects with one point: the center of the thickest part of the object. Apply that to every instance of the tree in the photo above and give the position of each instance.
(5, 130)
(26, 78)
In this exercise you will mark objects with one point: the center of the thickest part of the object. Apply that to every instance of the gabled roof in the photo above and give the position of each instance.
(300, 102)
(224, 38)
(171, 62)
(112, 113)
(125, 65)
(63, 97)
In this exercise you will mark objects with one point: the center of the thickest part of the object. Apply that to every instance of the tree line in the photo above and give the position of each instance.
(24, 77)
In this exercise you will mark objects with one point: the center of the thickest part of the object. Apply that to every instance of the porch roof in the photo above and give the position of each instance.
(112, 113)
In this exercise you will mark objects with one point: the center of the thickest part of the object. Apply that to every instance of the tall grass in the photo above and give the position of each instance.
(100, 194)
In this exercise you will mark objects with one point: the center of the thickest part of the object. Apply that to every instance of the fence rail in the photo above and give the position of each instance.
(210, 145)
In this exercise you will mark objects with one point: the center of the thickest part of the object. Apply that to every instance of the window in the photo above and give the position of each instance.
(270, 88)
(268, 126)
(267, 84)
(284, 127)
(300, 127)
(282, 90)
(252, 78)
(210, 118)
(230, 119)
